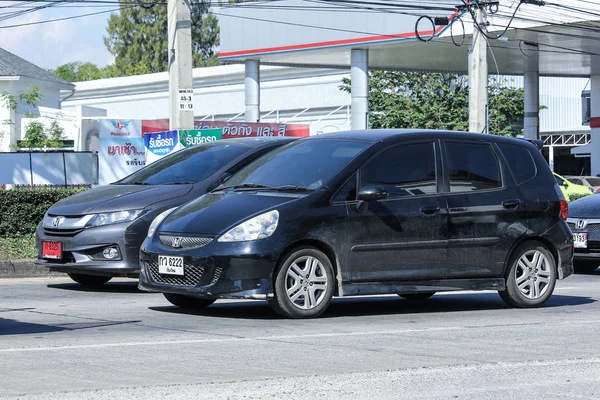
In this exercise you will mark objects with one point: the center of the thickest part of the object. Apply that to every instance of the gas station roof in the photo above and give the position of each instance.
(309, 33)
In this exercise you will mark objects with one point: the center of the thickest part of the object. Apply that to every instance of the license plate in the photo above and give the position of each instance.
(170, 265)
(52, 250)
(580, 240)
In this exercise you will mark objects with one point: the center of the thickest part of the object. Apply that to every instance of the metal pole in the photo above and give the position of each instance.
(359, 76)
(531, 85)
(478, 80)
(551, 157)
(595, 119)
(252, 89)
(181, 109)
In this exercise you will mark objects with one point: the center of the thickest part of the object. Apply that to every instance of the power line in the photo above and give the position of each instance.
(64, 18)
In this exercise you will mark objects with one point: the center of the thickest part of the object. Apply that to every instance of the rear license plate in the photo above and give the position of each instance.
(170, 265)
(580, 240)
(52, 250)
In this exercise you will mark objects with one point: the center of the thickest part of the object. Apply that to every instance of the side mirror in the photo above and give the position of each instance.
(372, 193)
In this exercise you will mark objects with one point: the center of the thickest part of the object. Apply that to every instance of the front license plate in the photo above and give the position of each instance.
(170, 265)
(52, 250)
(580, 240)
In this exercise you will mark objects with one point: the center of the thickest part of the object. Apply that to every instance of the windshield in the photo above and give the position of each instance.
(306, 163)
(189, 165)
(593, 181)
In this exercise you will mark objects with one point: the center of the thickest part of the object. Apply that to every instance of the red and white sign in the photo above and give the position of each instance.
(236, 129)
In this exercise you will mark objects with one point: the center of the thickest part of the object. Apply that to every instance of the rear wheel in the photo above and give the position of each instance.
(531, 276)
(90, 280)
(417, 296)
(304, 284)
(188, 302)
(586, 266)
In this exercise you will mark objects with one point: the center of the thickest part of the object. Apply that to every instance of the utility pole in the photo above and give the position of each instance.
(181, 106)
(478, 75)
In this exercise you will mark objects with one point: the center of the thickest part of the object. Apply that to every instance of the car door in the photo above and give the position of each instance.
(484, 207)
(404, 236)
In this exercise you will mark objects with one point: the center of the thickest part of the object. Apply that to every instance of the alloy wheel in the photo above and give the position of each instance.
(306, 282)
(533, 274)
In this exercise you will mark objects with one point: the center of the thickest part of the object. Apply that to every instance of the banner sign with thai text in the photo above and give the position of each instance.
(199, 136)
(121, 149)
(161, 144)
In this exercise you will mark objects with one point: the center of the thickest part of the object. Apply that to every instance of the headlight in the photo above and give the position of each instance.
(114, 217)
(159, 218)
(259, 227)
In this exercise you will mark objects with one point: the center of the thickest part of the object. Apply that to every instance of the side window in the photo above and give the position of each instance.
(472, 166)
(559, 181)
(347, 192)
(406, 170)
(519, 161)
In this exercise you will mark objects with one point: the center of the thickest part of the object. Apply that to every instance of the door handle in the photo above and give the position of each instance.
(430, 210)
(512, 203)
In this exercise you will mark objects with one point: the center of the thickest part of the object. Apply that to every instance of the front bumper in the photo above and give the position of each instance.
(79, 248)
(240, 270)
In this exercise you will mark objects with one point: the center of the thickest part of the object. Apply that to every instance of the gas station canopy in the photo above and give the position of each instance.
(403, 35)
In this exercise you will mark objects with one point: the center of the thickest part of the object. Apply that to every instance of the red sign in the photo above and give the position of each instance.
(52, 250)
(236, 129)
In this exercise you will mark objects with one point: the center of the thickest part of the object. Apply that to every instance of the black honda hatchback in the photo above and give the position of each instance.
(368, 212)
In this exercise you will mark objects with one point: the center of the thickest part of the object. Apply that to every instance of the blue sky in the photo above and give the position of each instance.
(53, 44)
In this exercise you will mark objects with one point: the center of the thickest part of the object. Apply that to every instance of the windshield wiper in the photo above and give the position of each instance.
(294, 188)
(243, 186)
(180, 183)
(132, 183)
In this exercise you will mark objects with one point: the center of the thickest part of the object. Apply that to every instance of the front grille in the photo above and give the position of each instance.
(192, 275)
(589, 227)
(183, 242)
(62, 232)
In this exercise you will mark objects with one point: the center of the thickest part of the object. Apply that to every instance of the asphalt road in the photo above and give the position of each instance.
(60, 341)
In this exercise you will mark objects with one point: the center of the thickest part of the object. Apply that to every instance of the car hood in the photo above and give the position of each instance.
(586, 207)
(215, 213)
(117, 197)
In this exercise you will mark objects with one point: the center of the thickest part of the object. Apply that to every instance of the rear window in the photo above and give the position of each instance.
(520, 162)
(593, 181)
(472, 166)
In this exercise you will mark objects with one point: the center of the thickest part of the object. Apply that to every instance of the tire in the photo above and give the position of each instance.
(586, 266)
(417, 296)
(304, 284)
(531, 276)
(90, 280)
(188, 302)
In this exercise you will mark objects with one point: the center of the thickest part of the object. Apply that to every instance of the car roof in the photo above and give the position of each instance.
(392, 135)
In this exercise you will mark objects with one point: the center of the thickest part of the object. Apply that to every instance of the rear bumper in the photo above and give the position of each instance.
(561, 237)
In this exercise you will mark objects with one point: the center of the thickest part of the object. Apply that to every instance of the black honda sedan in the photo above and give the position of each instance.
(368, 212)
(96, 235)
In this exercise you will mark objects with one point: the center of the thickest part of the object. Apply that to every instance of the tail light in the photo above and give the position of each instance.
(564, 209)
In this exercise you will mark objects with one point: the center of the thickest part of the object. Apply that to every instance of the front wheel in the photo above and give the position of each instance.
(188, 302)
(304, 284)
(90, 280)
(531, 276)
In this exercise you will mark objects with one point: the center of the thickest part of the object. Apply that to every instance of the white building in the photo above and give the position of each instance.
(16, 77)
(300, 95)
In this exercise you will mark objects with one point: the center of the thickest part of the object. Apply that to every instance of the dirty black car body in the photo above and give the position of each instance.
(75, 222)
(369, 212)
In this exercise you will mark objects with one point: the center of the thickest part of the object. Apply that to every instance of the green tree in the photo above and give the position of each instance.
(77, 71)
(436, 101)
(137, 37)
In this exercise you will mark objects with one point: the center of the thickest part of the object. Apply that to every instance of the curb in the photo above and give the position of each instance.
(24, 269)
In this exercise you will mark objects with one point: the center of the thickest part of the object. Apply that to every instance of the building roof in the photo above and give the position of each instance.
(13, 65)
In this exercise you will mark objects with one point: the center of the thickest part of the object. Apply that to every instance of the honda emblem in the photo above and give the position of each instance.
(57, 221)
(580, 224)
(176, 243)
